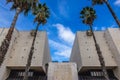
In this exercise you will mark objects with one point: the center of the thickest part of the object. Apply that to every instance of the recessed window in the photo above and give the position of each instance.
(21, 74)
(96, 73)
(30, 74)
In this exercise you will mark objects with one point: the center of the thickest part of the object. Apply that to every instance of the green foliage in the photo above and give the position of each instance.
(94, 2)
(88, 15)
(24, 5)
(41, 13)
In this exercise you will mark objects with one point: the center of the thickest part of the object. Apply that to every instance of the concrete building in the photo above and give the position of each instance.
(85, 55)
(17, 55)
(84, 63)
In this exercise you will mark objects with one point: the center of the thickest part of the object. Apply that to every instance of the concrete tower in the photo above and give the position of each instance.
(85, 55)
(17, 54)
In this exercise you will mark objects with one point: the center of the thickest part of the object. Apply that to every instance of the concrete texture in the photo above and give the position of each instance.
(4, 70)
(3, 32)
(17, 55)
(62, 71)
(84, 47)
(112, 36)
(83, 55)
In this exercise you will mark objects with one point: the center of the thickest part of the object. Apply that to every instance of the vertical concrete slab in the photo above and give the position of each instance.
(112, 36)
(62, 71)
(4, 71)
(19, 54)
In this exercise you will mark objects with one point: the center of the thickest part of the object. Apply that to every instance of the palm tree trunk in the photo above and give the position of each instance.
(101, 59)
(112, 12)
(30, 55)
(6, 42)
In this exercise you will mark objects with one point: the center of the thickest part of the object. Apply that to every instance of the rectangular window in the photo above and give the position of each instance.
(96, 73)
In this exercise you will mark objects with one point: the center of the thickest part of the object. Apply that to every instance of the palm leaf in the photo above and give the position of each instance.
(95, 2)
(42, 13)
(88, 15)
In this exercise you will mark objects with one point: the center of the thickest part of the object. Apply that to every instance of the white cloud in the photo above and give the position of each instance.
(117, 2)
(65, 33)
(61, 49)
(65, 53)
(57, 45)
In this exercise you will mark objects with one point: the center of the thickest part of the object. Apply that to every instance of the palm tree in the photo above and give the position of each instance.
(100, 2)
(19, 6)
(88, 16)
(42, 13)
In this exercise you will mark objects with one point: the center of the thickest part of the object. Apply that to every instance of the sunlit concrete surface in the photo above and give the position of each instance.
(17, 55)
(62, 71)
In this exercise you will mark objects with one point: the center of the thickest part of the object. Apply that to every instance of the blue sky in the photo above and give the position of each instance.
(63, 23)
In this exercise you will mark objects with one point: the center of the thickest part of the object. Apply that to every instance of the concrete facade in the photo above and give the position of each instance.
(62, 71)
(3, 32)
(4, 71)
(113, 39)
(17, 55)
(83, 56)
(84, 47)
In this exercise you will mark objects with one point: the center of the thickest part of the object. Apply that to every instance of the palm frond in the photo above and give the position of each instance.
(88, 15)
(99, 2)
(41, 14)
(25, 5)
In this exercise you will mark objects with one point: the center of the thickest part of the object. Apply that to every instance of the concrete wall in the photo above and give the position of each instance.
(84, 48)
(46, 55)
(62, 71)
(4, 71)
(75, 56)
(112, 36)
(83, 54)
(3, 32)
(17, 55)
(21, 49)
